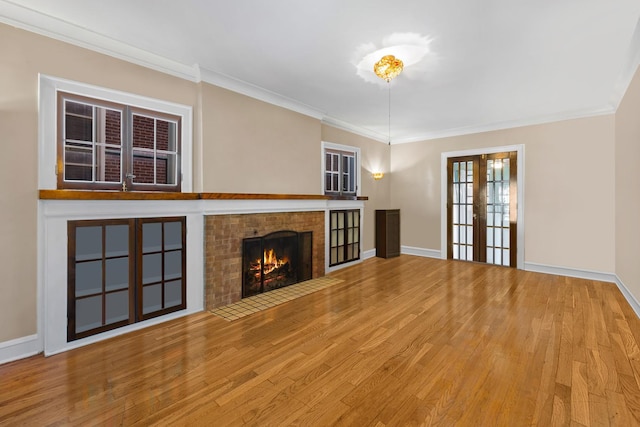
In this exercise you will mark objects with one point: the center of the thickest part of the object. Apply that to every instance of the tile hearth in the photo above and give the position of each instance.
(260, 302)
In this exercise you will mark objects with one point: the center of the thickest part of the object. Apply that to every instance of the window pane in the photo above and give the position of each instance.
(88, 278)
(151, 268)
(151, 298)
(166, 168)
(109, 162)
(88, 313)
(172, 265)
(173, 293)
(117, 240)
(88, 243)
(117, 307)
(152, 237)
(143, 167)
(164, 136)
(78, 163)
(143, 132)
(116, 274)
(172, 235)
(78, 121)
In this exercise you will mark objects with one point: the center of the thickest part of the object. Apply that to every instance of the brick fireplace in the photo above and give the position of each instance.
(223, 248)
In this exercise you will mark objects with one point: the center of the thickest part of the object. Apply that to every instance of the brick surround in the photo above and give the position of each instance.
(223, 248)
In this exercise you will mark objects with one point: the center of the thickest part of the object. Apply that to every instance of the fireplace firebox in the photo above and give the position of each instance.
(275, 260)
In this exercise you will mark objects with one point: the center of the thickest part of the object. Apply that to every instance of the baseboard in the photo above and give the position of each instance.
(19, 348)
(428, 253)
(633, 302)
(570, 272)
(371, 253)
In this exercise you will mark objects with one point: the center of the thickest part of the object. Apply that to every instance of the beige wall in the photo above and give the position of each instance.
(628, 188)
(375, 158)
(569, 197)
(254, 147)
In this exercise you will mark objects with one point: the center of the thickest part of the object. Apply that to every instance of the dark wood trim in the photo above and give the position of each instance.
(157, 195)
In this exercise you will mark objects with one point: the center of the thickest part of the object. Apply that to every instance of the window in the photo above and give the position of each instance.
(344, 229)
(341, 171)
(122, 271)
(106, 145)
(98, 145)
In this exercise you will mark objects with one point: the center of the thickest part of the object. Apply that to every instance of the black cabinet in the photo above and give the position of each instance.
(387, 233)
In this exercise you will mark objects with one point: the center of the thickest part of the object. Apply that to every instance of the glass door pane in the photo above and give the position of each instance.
(497, 211)
(462, 209)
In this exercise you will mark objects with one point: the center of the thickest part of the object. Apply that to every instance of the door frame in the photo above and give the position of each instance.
(444, 157)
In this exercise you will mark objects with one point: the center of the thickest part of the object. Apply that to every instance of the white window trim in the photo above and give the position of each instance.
(333, 146)
(47, 124)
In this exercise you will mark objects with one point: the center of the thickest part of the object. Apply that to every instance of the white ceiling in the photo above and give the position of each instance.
(492, 63)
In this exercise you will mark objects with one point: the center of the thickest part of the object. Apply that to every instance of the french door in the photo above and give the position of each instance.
(482, 208)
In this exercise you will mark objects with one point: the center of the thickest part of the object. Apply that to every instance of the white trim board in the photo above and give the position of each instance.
(570, 272)
(427, 253)
(20, 348)
(633, 302)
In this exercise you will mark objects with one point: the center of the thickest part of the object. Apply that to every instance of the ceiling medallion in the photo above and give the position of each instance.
(388, 68)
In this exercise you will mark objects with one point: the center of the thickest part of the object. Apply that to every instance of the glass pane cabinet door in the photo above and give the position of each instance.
(163, 262)
(481, 208)
(100, 277)
(344, 235)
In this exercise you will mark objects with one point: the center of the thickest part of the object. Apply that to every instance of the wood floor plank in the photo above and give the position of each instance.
(401, 341)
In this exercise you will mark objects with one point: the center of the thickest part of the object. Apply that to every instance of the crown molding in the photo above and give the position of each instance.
(256, 92)
(629, 69)
(567, 115)
(37, 22)
(358, 130)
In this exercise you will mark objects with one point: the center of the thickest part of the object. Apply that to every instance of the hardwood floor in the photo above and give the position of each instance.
(403, 341)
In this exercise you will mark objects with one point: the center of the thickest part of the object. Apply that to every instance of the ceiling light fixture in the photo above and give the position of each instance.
(388, 68)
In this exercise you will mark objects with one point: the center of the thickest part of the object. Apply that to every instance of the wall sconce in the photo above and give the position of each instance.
(378, 175)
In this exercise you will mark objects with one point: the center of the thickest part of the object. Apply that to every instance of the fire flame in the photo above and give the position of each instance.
(271, 261)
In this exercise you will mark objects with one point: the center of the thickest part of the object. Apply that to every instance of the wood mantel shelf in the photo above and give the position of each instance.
(157, 195)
